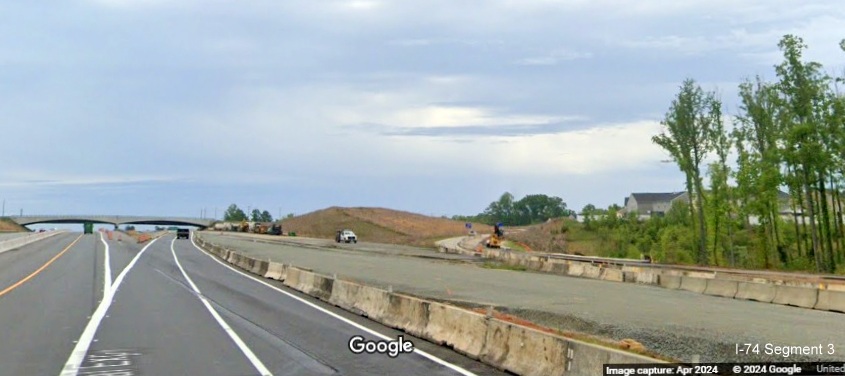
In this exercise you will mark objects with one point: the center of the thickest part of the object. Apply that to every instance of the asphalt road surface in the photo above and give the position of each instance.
(78, 304)
(680, 324)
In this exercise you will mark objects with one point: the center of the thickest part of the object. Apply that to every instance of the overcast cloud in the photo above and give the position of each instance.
(437, 107)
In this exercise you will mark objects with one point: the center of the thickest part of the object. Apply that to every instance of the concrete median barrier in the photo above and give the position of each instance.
(276, 271)
(23, 240)
(292, 279)
(796, 296)
(525, 351)
(693, 284)
(670, 281)
(721, 287)
(830, 300)
(462, 330)
(259, 267)
(609, 274)
(407, 313)
(761, 292)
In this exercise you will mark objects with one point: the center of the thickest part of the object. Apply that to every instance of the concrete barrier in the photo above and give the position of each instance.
(457, 328)
(761, 292)
(830, 300)
(407, 313)
(591, 271)
(276, 271)
(587, 359)
(670, 281)
(721, 287)
(796, 296)
(525, 351)
(21, 241)
(259, 267)
(575, 269)
(693, 284)
(609, 274)
(649, 277)
(629, 276)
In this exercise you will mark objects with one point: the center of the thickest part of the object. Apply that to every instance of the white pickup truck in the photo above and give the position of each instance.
(346, 236)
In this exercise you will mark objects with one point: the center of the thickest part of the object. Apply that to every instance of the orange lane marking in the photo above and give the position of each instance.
(27, 278)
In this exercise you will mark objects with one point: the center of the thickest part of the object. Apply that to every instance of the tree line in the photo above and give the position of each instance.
(789, 135)
(235, 214)
(530, 209)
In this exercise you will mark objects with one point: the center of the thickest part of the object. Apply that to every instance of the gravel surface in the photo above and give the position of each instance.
(679, 324)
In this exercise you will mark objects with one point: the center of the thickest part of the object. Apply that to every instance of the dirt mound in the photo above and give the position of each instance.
(560, 235)
(378, 225)
(7, 225)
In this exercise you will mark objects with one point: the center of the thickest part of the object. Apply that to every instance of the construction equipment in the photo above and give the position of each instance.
(275, 229)
(260, 228)
(244, 227)
(495, 240)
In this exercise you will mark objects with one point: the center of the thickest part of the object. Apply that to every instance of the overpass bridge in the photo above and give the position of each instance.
(115, 220)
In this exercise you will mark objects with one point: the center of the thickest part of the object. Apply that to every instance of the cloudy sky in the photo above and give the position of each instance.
(160, 107)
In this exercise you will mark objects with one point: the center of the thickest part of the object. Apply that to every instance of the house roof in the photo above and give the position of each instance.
(651, 198)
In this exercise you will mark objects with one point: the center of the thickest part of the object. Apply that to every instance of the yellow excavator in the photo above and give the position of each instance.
(496, 238)
(244, 227)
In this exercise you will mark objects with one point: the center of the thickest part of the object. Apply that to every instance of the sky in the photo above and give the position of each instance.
(181, 108)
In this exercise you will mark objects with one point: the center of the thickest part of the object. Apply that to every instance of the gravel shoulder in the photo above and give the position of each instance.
(678, 324)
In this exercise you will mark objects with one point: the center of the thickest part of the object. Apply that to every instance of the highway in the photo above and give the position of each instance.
(78, 304)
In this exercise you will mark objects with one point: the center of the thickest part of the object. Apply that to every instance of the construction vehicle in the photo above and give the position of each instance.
(260, 228)
(495, 240)
(88, 228)
(244, 227)
(275, 229)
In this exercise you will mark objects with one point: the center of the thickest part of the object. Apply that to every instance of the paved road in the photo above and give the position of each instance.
(82, 305)
(676, 323)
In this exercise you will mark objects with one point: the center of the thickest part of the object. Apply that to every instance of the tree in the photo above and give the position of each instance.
(255, 216)
(802, 86)
(757, 134)
(688, 126)
(266, 216)
(234, 214)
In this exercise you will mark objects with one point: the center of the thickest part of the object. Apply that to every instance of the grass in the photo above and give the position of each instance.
(516, 246)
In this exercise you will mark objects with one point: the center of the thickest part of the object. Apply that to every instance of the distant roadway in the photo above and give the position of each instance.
(78, 304)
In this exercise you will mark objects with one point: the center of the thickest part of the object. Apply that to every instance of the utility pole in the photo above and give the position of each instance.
(4, 208)
(215, 213)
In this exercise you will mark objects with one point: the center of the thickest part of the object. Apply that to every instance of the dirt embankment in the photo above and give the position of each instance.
(378, 225)
(7, 225)
(560, 235)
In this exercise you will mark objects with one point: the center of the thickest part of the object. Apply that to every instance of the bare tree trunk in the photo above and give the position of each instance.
(827, 233)
(702, 241)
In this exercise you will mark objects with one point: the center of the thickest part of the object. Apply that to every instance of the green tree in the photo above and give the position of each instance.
(234, 214)
(802, 86)
(266, 216)
(255, 216)
(686, 137)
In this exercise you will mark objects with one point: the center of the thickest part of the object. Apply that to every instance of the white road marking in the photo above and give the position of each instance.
(259, 366)
(107, 274)
(77, 356)
(424, 354)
